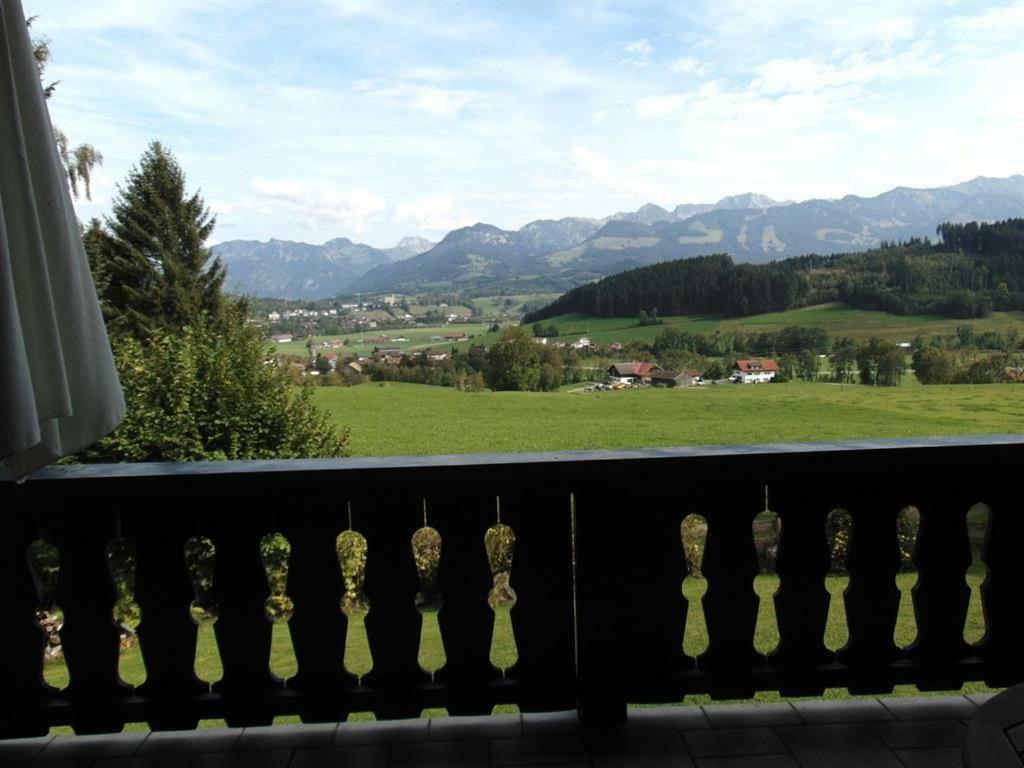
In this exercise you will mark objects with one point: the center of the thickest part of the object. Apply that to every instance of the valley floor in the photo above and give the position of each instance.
(388, 419)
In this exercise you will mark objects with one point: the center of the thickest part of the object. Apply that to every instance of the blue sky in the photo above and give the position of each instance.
(375, 120)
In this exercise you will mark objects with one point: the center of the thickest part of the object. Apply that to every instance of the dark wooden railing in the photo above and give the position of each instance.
(597, 570)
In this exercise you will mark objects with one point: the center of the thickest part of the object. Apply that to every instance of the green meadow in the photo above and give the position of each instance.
(389, 419)
(415, 338)
(837, 319)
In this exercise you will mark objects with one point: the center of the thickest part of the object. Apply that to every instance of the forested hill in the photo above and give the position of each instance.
(975, 268)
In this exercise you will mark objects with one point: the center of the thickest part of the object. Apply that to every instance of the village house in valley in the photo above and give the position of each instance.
(639, 374)
(687, 378)
(754, 371)
(632, 373)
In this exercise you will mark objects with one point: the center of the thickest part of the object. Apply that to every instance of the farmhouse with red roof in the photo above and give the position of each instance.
(755, 371)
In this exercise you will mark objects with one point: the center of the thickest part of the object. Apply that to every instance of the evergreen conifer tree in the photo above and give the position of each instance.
(159, 273)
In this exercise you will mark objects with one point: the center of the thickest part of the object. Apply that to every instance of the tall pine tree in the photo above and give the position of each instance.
(159, 274)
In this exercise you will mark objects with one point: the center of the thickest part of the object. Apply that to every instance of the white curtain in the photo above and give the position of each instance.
(59, 390)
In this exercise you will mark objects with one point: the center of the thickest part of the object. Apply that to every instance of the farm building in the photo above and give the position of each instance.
(755, 371)
(454, 336)
(281, 338)
(671, 379)
(632, 373)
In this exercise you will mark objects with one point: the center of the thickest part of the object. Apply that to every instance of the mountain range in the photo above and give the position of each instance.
(555, 255)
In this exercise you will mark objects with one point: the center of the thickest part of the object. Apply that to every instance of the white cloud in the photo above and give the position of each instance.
(660, 106)
(319, 204)
(687, 65)
(597, 168)
(638, 51)
(806, 75)
(435, 213)
(426, 98)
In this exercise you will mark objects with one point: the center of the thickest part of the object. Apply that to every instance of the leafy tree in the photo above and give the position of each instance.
(842, 359)
(934, 365)
(808, 365)
(787, 367)
(161, 274)
(513, 362)
(205, 392)
(552, 369)
(715, 371)
(79, 162)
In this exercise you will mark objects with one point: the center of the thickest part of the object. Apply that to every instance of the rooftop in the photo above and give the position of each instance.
(897, 732)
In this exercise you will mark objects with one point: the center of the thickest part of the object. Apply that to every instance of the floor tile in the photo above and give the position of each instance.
(667, 718)
(200, 740)
(842, 711)
(551, 723)
(483, 727)
(981, 698)
(837, 746)
(639, 749)
(99, 745)
(542, 750)
(761, 761)
(944, 757)
(370, 756)
(22, 749)
(1016, 736)
(287, 736)
(274, 759)
(441, 754)
(930, 707)
(143, 761)
(382, 732)
(920, 733)
(751, 715)
(728, 742)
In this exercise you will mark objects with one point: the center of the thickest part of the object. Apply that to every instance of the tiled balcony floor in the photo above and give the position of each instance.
(921, 732)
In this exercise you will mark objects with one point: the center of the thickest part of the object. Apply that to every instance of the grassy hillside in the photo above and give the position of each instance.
(838, 319)
(416, 338)
(394, 419)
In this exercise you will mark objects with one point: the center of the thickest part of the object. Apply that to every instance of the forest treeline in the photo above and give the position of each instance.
(974, 269)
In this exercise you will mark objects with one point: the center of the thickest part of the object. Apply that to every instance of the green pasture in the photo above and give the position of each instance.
(838, 319)
(416, 338)
(496, 308)
(389, 418)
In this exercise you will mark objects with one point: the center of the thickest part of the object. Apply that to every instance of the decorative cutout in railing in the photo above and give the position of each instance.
(599, 613)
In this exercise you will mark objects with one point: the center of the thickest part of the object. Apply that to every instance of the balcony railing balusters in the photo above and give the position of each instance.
(23, 704)
(872, 600)
(730, 565)
(393, 624)
(242, 629)
(465, 619)
(318, 628)
(802, 601)
(542, 620)
(941, 596)
(85, 591)
(599, 632)
(1002, 589)
(166, 634)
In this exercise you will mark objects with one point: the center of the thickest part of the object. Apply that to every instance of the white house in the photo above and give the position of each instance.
(755, 371)
(583, 343)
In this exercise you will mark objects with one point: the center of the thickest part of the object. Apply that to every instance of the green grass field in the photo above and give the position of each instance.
(495, 307)
(358, 658)
(416, 338)
(395, 419)
(838, 319)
